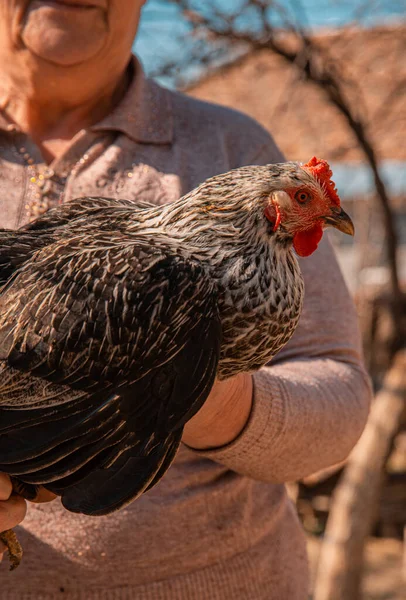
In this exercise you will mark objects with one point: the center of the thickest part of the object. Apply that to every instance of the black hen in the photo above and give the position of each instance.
(116, 317)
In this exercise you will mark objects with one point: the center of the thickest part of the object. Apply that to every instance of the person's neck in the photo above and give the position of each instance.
(54, 118)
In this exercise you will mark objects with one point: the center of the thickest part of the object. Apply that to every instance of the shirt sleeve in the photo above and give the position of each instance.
(311, 403)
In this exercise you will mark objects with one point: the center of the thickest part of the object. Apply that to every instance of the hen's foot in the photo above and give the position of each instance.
(15, 551)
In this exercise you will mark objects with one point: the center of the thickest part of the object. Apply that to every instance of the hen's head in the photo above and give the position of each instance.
(306, 204)
(288, 201)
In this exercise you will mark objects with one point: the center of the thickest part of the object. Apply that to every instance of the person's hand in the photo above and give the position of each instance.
(13, 507)
(223, 416)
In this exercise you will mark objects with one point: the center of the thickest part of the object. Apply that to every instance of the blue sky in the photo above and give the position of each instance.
(162, 30)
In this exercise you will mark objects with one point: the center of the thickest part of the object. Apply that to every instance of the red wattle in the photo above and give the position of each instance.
(306, 242)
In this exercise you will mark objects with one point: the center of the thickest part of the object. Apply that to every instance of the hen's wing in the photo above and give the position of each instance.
(105, 353)
(16, 248)
(88, 207)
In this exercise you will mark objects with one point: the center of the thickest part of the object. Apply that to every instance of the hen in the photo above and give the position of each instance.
(116, 317)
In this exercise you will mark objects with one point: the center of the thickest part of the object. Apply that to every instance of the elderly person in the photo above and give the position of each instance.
(78, 117)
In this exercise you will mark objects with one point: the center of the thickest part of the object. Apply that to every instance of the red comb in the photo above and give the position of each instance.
(320, 169)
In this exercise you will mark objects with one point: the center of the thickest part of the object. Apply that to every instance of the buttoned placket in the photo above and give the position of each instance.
(84, 148)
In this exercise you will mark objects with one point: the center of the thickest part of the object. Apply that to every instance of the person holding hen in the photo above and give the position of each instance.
(79, 118)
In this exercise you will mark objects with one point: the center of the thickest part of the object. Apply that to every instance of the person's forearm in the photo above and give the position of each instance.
(223, 415)
(307, 414)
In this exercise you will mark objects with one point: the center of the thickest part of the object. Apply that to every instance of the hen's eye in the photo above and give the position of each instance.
(302, 196)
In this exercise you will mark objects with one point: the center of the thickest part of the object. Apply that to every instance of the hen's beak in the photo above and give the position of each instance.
(340, 220)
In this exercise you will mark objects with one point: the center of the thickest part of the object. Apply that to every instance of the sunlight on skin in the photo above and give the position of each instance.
(59, 73)
(13, 508)
(223, 415)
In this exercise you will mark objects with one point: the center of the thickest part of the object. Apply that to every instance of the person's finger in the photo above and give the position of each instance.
(28, 491)
(5, 487)
(12, 512)
(44, 495)
(2, 551)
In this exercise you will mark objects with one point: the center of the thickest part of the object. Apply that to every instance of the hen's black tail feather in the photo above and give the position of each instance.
(105, 490)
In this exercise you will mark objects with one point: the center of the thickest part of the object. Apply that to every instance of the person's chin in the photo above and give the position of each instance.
(63, 34)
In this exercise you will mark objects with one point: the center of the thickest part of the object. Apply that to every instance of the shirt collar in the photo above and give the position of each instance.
(144, 114)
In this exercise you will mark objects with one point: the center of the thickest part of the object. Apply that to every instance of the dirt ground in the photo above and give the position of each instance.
(383, 578)
(297, 114)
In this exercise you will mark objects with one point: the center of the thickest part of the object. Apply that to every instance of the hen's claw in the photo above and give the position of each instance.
(15, 551)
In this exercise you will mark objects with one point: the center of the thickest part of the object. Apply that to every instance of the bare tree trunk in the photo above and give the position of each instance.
(340, 568)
